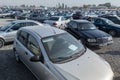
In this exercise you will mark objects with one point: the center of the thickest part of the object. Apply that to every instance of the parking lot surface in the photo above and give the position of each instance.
(11, 70)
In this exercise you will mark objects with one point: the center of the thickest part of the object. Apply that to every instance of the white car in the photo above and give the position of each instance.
(57, 21)
(53, 54)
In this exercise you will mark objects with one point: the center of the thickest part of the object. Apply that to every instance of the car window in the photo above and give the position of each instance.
(19, 25)
(54, 18)
(34, 15)
(99, 21)
(7, 26)
(62, 19)
(86, 26)
(33, 45)
(31, 24)
(72, 25)
(112, 18)
(22, 37)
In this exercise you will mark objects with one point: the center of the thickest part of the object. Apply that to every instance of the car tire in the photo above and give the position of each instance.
(112, 32)
(17, 56)
(1, 42)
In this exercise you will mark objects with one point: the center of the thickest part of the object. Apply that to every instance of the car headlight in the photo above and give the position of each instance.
(91, 40)
(109, 38)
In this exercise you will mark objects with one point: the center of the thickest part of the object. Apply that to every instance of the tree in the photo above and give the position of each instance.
(107, 5)
(62, 5)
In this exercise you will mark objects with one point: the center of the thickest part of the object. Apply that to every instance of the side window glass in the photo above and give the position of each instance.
(31, 24)
(72, 25)
(19, 25)
(22, 37)
(99, 21)
(62, 18)
(33, 45)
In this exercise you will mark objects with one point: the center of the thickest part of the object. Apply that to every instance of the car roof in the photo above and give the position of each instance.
(19, 21)
(57, 16)
(81, 21)
(43, 30)
(102, 18)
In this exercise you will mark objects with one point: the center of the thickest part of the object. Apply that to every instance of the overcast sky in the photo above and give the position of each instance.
(54, 2)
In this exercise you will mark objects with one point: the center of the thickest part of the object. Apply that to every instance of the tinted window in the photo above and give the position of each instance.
(31, 24)
(113, 18)
(54, 18)
(19, 25)
(22, 37)
(98, 21)
(62, 18)
(86, 26)
(33, 45)
(72, 24)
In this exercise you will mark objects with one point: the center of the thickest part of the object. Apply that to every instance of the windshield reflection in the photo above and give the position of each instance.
(85, 26)
(62, 47)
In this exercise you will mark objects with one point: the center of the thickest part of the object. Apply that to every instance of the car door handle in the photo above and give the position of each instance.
(26, 53)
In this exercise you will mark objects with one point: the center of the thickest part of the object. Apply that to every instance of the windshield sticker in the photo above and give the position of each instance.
(48, 40)
(73, 47)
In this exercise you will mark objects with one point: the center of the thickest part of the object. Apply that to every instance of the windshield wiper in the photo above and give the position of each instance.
(62, 58)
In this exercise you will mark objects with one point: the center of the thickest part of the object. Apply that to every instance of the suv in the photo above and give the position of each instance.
(53, 54)
(8, 31)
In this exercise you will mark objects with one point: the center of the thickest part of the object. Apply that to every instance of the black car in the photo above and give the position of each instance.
(77, 15)
(115, 19)
(107, 26)
(88, 33)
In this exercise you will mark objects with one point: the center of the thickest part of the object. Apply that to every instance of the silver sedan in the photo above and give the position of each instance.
(8, 31)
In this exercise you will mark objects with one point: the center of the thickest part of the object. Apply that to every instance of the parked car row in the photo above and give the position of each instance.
(55, 54)
(88, 33)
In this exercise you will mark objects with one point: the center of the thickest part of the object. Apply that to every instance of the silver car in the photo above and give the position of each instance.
(53, 54)
(8, 31)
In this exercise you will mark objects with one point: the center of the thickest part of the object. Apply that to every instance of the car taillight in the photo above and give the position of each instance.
(54, 24)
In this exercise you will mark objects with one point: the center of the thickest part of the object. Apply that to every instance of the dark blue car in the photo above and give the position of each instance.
(88, 33)
(107, 26)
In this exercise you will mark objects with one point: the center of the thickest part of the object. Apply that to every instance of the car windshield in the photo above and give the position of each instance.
(5, 27)
(109, 22)
(86, 26)
(62, 47)
(54, 18)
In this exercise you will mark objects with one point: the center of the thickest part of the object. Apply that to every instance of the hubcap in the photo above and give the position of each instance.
(1, 43)
(16, 56)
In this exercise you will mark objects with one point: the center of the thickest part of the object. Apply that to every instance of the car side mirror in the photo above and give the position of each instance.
(35, 58)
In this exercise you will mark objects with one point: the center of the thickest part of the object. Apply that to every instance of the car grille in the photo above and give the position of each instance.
(102, 40)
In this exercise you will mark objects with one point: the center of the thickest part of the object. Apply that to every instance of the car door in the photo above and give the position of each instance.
(73, 29)
(21, 44)
(38, 68)
(100, 24)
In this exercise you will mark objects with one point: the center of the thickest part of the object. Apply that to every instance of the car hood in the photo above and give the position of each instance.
(94, 33)
(87, 67)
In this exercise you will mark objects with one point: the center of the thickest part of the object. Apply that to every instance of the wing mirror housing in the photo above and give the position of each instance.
(35, 58)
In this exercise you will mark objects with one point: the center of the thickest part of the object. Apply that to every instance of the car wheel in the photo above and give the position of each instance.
(17, 56)
(112, 32)
(1, 42)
